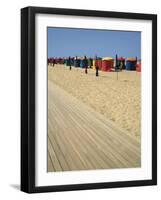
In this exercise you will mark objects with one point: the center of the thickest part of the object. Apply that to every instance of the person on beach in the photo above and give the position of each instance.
(97, 68)
(53, 62)
(85, 64)
(69, 60)
(96, 65)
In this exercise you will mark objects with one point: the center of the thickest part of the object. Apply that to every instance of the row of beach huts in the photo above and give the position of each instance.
(107, 64)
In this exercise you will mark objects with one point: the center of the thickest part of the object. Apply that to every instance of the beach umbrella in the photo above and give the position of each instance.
(116, 63)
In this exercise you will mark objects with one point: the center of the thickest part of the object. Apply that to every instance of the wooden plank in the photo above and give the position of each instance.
(66, 146)
(91, 154)
(70, 143)
(55, 161)
(50, 166)
(83, 139)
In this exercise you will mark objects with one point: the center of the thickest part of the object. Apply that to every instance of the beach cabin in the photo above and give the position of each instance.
(98, 63)
(121, 63)
(90, 62)
(72, 61)
(107, 64)
(60, 61)
(50, 61)
(131, 63)
(83, 63)
(76, 62)
(138, 66)
(68, 62)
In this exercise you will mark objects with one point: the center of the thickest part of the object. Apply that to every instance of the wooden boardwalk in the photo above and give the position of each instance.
(81, 139)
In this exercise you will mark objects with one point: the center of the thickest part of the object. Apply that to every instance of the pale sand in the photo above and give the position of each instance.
(118, 100)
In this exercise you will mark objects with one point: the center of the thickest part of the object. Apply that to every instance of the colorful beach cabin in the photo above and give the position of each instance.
(68, 62)
(77, 62)
(72, 61)
(98, 63)
(83, 63)
(107, 64)
(138, 66)
(90, 62)
(121, 63)
(131, 63)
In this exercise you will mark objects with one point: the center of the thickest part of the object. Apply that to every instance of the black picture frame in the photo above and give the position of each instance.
(28, 98)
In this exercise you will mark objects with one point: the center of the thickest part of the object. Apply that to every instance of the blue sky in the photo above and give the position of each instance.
(63, 42)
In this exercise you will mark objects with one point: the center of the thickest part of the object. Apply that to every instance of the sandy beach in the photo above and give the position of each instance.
(117, 100)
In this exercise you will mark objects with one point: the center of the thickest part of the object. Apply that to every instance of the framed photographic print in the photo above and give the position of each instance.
(88, 99)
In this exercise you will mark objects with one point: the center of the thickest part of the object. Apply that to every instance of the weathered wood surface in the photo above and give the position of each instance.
(81, 139)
